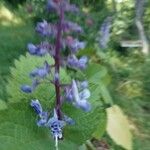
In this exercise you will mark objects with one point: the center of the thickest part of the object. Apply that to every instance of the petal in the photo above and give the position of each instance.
(69, 120)
(82, 62)
(75, 91)
(32, 48)
(35, 83)
(43, 119)
(36, 106)
(84, 105)
(84, 84)
(34, 73)
(26, 88)
(84, 94)
(41, 122)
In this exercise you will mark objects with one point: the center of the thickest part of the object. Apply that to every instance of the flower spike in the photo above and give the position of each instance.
(64, 54)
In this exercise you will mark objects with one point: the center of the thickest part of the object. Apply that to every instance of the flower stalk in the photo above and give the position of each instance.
(57, 63)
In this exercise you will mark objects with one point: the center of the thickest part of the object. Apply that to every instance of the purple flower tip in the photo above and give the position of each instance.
(56, 125)
(26, 88)
(36, 106)
(84, 105)
(69, 120)
(43, 119)
(41, 71)
(74, 62)
(84, 84)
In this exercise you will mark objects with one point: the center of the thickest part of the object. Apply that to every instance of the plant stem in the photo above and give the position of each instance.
(57, 63)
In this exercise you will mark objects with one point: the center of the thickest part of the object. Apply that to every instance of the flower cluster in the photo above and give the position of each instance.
(76, 92)
(105, 32)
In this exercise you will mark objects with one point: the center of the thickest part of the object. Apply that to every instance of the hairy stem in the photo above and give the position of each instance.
(57, 64)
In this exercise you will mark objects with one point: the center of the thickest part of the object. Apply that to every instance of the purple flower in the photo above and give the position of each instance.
(69, 120)
(69, 7)
(80, 98)
(52, 5)
(76, 63)
(71, 26)
(29, 89)
(46, 29)
(26, 88)
(68, 94)
(74, 44)
(84, 84)
(82, 63)
(41, 71)
(105, 32)
(39, 50)
(43, 119)
(35, 104)
(56, 126)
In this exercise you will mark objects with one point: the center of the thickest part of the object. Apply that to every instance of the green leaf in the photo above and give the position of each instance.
(105, 94)
(101, 128)
(86, 123)
(118, 127)
(97, 73)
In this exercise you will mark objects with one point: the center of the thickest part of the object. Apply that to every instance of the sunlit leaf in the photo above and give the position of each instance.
(118, 127)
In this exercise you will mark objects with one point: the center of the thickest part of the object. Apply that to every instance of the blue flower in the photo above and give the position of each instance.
(80, 98)
(72, 8)
(41, 71)
(26, 88)
(29, 89)
(76, 63)
(69, 120)
(52, 5)
(71, 26)
(46, 29)
(105, 32)
(43, 119)
(82, 63)
(75, 45)
(35, 104)
(68, 94)
(39, 50)
(83, 84)
(56, 126)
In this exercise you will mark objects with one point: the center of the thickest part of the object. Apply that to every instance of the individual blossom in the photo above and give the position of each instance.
(71, 26)
(46, 29)
(83, 84)
(68, 94)
(105, 32)
(74, 62)
(28, 88)
(68, 120)
(80, 98)
(56, 125)
(35, 104)
(69, 7)
(52, 5)
(41, 72)
(39, 50)
(74, 45)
